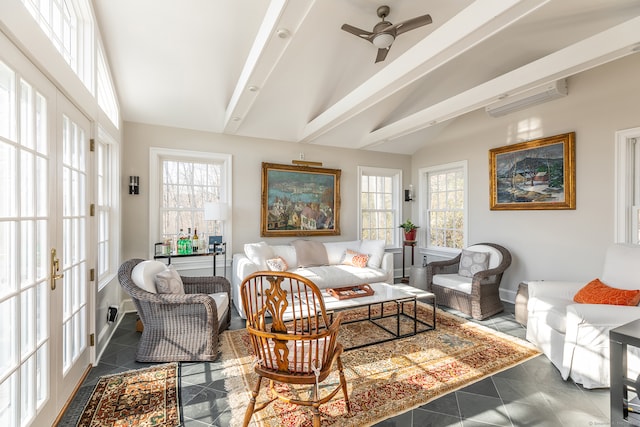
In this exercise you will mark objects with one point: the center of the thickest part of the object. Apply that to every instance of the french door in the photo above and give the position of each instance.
(44, 286)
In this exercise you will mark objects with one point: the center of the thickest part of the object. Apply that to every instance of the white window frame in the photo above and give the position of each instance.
(627, 192)
(396, 175)
(112, 208)
(79, 51)
(105, 92)
(156, 156)
(423, 210)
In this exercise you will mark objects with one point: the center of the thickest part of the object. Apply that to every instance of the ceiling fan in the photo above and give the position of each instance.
(384, 32)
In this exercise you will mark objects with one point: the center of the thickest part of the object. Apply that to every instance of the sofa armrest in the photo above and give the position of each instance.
(387, 266)
(603, 316)
(553, 288)
(242, 267)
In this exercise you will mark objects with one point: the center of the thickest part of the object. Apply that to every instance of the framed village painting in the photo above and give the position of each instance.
(299, 201)
(538, 174)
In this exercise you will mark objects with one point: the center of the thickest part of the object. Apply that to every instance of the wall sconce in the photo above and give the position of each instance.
(134, 184)
(408, 194)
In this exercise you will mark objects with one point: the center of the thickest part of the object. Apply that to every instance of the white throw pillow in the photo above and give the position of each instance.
(169, 282)
(472, 262)
(375, 250)
(144, 273)
(259, 253)
(277, 264)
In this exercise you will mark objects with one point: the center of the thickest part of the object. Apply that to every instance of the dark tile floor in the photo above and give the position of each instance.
(530, 394)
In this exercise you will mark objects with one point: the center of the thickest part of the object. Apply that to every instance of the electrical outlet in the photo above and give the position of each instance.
(301, 155)
(112, 313)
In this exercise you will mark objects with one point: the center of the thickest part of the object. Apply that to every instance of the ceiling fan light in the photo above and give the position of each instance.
(383, 40)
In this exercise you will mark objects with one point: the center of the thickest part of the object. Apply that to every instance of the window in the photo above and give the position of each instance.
(69, 26)
(185, 180)
(106, 209)
(627, 204)
(445, 207)
(380, 204)
(106, 93)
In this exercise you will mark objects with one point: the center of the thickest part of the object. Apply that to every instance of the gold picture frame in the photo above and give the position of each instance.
(538, 174)
(299, 201)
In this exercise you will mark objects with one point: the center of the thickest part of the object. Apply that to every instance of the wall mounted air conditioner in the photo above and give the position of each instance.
(538, 95)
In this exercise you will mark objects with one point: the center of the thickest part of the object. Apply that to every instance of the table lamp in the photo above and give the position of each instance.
(215, 211)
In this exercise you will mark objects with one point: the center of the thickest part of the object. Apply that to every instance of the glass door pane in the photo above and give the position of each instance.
(25, 228)
(73, 254)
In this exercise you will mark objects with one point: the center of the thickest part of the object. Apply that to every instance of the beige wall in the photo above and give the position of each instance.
(567, 244)
(545, 244)
(248, 154)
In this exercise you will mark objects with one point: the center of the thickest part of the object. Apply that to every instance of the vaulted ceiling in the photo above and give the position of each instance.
(284, 69)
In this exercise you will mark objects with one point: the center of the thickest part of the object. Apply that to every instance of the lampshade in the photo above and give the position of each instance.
(215, 211)
(383, 40)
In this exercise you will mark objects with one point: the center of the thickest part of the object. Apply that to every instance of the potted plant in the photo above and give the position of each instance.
(410, 230)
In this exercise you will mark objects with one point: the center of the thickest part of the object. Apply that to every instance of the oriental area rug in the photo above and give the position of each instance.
(385, 379)
(144, 397)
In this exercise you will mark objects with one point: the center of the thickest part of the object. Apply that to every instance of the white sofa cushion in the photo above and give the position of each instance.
(621, 267)
(336, 276)
(259, 253)
(375, 250)
(287, 252)
(335, 250)
(453, 281)
(144, 273)
(222, 303)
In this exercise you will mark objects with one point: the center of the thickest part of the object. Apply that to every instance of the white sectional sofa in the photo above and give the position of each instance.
(575, 336)
(335, 271)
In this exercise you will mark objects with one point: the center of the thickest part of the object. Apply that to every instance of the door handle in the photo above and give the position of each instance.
(55, 269)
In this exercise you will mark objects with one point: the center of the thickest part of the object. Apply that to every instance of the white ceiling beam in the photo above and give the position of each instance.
(471, 26)
(606, 46)
(281, 21)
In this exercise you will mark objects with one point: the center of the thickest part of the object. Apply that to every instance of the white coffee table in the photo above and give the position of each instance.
(385, 293)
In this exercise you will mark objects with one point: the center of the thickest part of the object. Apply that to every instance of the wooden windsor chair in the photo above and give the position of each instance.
(293, 340)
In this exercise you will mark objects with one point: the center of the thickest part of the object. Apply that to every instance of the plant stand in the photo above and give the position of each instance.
(407, 244)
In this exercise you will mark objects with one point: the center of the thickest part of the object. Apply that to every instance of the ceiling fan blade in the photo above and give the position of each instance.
(364, 34)
(412, 23)
(382, 54)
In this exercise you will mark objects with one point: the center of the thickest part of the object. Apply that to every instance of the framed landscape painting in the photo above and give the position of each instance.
(299, 201)
(538, 174)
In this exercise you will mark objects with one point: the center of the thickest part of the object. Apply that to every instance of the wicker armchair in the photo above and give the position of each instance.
(478, 296)
(178, 327)
(292, 337)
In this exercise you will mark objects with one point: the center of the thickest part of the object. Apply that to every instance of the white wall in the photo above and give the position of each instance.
(566, 244)
(248, 155)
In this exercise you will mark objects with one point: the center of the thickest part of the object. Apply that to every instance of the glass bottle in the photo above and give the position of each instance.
(187, 243)
(181, 246)
(195, 242)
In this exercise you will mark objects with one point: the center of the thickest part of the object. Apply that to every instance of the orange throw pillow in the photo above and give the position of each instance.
(596, 292)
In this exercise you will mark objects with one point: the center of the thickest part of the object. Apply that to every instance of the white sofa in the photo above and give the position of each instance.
(379, 267)
(575, 336)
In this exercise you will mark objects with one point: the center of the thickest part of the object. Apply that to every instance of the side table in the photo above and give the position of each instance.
(619, 339)
(522, 298)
